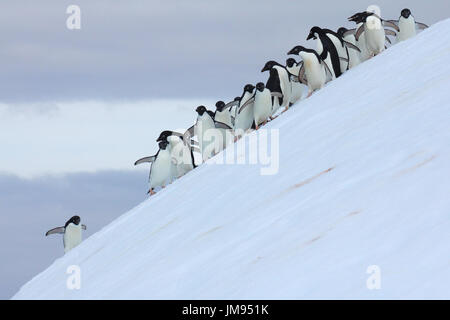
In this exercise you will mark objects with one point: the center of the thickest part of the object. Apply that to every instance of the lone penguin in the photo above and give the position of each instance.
(71, 231)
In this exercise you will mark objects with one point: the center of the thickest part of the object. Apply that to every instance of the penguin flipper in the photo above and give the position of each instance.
(327, 69)
(58, 230)
(387, 39)
(221, 125)
(145, 159)
(348, 32)
(421, 25)
(351, 46)
(231, 104)
(359, 32)
(195, 149)
(390, 32)
(301, 75)
(83, 226)
(191, 131)
(251, 100)
(390, 24)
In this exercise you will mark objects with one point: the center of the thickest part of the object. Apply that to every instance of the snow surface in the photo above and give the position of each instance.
(364, 179)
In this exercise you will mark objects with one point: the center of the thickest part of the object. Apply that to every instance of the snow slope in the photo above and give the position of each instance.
(364, 179)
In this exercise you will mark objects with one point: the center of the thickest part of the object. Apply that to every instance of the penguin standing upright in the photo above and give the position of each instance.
(222, 117)
(353, 55)
(262, 108)
(181, 150)
(296, 86)
(314, 70)
(327, 51)
(206, 132)
(72, 232)
(278, 82)
(161, 168)
(373, 28)
(407, 25)
(244, 117)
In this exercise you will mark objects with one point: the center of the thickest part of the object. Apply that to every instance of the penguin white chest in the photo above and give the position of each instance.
(375, 35)
(407, 28)
(244, 119)
(263, 106)
(72, 236)
(161, 170)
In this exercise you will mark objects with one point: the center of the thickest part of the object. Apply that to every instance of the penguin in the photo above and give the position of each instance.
(244, 116)
(373, 28)
(353, 55)
(407, 25)
(327, 51)
(296, 86)
(222, 117)
(314, 70)
(181, 150)
(278, 82)
(72, 232)
(161, 168)
(205, 130)
(262, 108)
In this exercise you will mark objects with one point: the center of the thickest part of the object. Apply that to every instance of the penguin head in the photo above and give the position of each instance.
(200, 110)
(360, 17)
(260, 86)
(341, 31)
(237, 99)
(249, 88)
(405, 13)
(269, 65)
(220, 105)
(313, 33)
(164, 135)
(163, 145)
(75, 220)
(290, 62)
(296, 50)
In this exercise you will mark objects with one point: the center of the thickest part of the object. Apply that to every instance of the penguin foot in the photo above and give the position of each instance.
(309, 94)
(151, 192)
(285, 109)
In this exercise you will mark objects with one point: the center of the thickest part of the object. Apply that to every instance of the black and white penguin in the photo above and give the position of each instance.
(209, 138)
(72, 232)
(262, 108)
(278, 82)
(296, 86)
(354, 56)
(314, 70)
(327, 50)
(161, 167)
(373, 27)
(223, 122)
(181, 149)
(244, 116)
(407, 25)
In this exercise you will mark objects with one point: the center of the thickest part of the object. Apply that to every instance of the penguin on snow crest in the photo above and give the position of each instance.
(72, 232)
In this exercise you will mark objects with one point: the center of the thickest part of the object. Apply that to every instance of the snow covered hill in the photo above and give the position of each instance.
(363, 180)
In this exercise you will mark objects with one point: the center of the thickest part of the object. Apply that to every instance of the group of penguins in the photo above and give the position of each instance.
(336, 52)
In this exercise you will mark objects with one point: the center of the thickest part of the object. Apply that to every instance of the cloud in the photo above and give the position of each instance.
(160, 49)
(29, 207)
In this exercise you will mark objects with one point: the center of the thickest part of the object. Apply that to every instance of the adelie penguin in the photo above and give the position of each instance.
(181, 148)
(244, 116)
(296, 86)
(72, 232)
(353, 56)
(278, 83)
(314, 70)
(223, 121)
(161, 167)
(373, 28)
(407, 25)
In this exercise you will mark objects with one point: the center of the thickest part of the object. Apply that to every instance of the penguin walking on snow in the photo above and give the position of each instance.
(72, 232)
(373, 27)
(222, 120)
(314, 70)
(244, 116)
(161, 170)
(278, 82)
(407, 25)
(353, 55)
(296, 86)
(181, 148)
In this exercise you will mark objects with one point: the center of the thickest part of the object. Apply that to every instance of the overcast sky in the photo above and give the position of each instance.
(64, 153)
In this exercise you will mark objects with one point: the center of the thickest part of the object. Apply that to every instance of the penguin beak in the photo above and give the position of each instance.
(310, 36)
(292, 51)
(265, 68)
